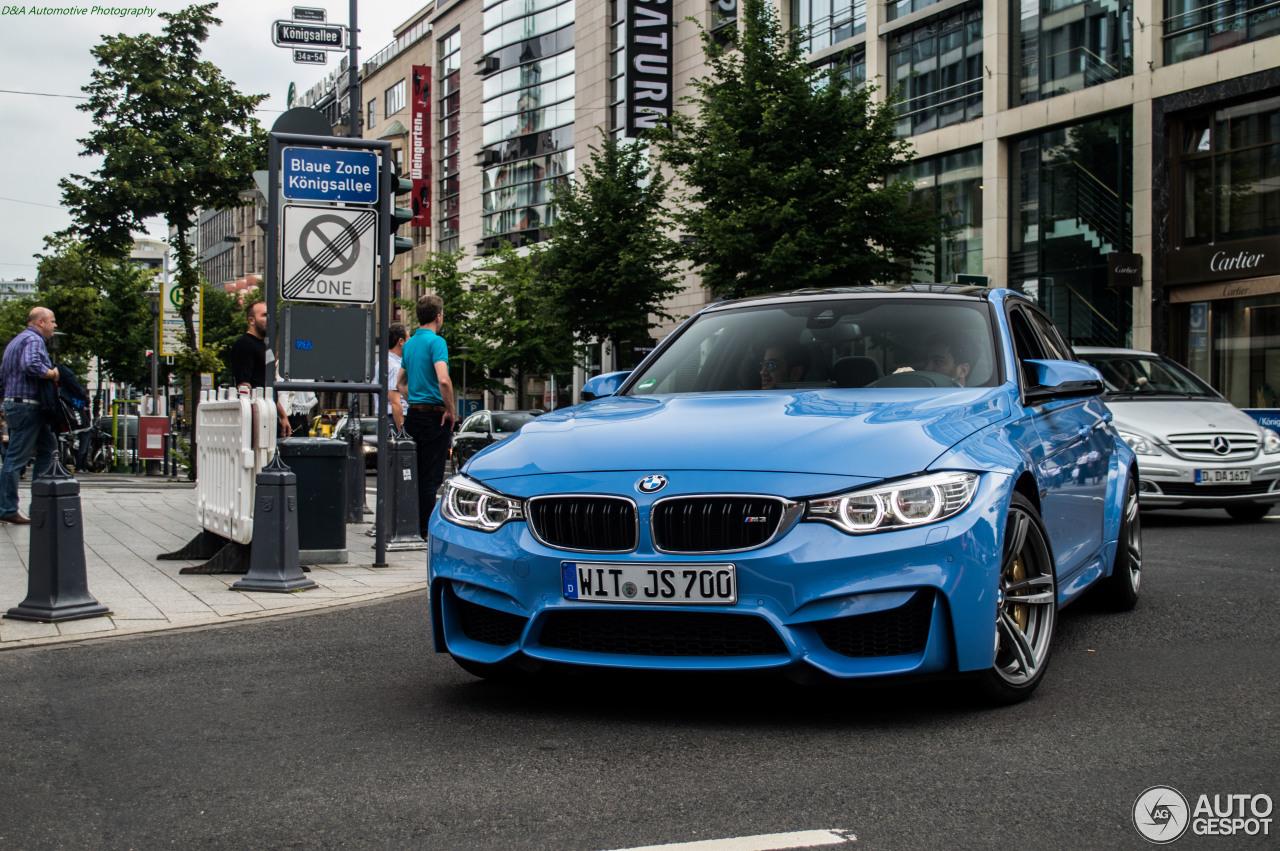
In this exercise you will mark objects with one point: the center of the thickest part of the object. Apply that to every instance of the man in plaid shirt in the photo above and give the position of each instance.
(26, 363)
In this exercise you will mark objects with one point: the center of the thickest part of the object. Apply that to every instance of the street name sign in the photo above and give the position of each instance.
(307, 13)
(329, 254)
(315, 36)
(311, 57)
(328, 174)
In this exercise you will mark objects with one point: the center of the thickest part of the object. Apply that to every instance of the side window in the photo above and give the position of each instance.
(1026, 344)
(1054, 346)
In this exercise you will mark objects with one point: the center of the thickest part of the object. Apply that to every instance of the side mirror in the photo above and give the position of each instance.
(1061, 379)
(603, 385)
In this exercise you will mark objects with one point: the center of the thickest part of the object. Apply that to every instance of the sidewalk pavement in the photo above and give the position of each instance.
(129, 520)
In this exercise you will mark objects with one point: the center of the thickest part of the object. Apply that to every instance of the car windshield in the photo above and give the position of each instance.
(827, 343)
(507, 422)
(1133, 375)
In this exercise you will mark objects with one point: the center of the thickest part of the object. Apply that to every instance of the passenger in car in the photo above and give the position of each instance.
(782, 363)
(946, 355)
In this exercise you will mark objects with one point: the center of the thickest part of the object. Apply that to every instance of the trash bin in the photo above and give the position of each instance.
(320, 465)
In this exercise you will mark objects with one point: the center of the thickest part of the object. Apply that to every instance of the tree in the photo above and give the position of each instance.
(519, 315)
(175, 136)
(67, 282)
(503, 315)
(610, 263)
(789, 171)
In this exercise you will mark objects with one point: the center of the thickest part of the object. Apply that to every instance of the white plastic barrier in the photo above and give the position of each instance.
(236, 436)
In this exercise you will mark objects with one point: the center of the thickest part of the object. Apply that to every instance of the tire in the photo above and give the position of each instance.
(1249, 512)
(1026, 609)
(1120, 589)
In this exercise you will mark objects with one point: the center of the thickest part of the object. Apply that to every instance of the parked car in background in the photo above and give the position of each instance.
(1195, 449)
(848, 484)
(483, 429)
(368, 434)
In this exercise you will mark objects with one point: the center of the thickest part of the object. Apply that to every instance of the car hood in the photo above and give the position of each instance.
(1160, 417)
(863, 433)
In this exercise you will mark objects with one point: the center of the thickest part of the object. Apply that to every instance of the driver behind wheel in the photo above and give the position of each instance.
(947, 356)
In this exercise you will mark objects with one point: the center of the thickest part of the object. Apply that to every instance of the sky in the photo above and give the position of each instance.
(46, 59)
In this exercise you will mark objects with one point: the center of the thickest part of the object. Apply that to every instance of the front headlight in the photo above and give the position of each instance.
(1139, 444)
(469, 503)
(1270, 441)
(916, 501)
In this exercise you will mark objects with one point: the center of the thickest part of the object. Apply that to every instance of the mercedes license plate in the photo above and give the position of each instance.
(1223, 477)
(649, 583)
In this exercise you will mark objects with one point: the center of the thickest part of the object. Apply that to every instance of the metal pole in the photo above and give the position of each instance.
(353, 60)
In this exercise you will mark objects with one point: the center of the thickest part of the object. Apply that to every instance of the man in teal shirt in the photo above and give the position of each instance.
(424, 381)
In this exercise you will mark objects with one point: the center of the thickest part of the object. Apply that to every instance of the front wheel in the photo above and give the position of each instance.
(1026, 608)
(1121, 588)
(1249, 512)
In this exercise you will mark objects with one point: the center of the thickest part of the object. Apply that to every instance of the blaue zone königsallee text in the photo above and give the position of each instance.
(86, 11)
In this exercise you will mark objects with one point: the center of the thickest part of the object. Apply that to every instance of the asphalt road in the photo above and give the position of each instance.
(341, 730)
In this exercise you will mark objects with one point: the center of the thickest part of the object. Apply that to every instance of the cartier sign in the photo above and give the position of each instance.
(1225, 261)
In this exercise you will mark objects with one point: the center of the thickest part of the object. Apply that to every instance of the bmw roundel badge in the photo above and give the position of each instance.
(652, 483)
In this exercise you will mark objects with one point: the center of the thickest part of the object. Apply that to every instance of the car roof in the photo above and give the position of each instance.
(816, 294)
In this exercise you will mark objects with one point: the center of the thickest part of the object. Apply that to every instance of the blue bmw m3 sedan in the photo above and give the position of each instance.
(867, 483)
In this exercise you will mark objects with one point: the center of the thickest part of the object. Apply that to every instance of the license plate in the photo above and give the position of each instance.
(1223, 477)
(649, 583)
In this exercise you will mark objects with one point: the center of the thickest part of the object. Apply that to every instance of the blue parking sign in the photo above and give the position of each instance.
(327, 174)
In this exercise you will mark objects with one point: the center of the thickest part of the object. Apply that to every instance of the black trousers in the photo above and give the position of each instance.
(432, 439)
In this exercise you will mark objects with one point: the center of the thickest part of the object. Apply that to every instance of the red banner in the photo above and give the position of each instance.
(420, 145)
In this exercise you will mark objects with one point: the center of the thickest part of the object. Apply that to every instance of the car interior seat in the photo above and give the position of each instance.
(855, 371)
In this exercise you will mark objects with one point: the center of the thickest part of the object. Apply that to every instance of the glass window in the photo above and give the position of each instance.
(1228, 172)
(527, 112)
(1196, 27)
(1069, 45)
(822, 344)
(824, 23)
(449, 50)
(952, 185)
(394, 99)
(372, 120)
(1071, 205)
(936, 71)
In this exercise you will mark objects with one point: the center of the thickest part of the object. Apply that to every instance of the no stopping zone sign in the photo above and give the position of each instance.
(329, 254)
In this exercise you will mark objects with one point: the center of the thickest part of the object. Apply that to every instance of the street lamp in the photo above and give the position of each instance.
(153, 295)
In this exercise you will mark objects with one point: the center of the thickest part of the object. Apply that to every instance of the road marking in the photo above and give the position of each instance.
(763, 842)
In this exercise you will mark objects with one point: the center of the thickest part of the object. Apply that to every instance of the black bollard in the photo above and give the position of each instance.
(57, 583)
(273, 555)
(402, 495)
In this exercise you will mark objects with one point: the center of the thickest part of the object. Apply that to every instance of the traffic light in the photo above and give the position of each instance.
(399, 215)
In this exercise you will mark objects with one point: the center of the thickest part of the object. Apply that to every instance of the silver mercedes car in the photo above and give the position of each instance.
(1195, 449)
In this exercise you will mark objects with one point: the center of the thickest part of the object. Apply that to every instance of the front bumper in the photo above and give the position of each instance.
(1168, 482)
(909, 602)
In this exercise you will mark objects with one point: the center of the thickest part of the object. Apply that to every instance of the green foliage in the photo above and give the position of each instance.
(67, 282)
(223, 322)
(503, 315)
(610, 263)
(789, 171)
(123, 330)
(174, 136)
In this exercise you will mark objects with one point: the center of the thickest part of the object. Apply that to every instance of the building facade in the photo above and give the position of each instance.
(1118, 160)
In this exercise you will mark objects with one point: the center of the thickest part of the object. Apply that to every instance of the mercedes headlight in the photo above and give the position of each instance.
(1140, 444)
(1270, 441)
(469, 503)
(916, 501)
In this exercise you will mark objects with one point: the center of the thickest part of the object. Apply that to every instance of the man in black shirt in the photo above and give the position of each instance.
(248, 358)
